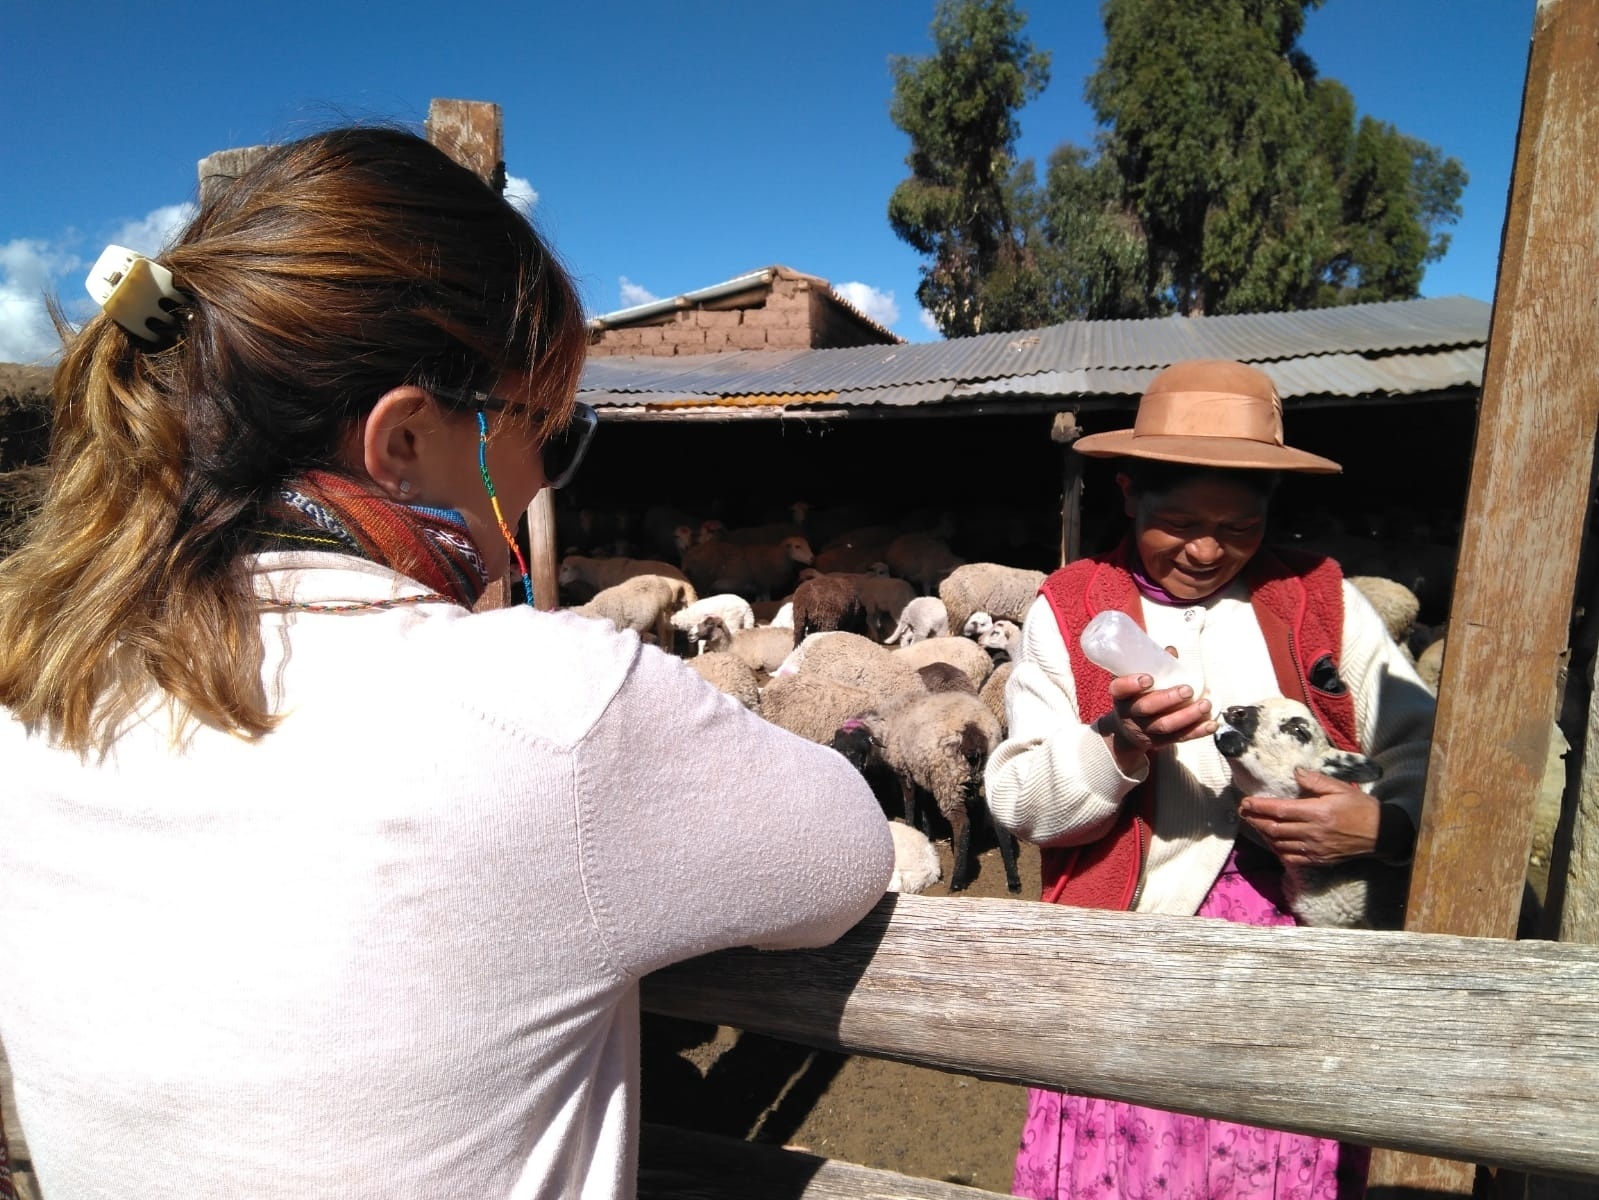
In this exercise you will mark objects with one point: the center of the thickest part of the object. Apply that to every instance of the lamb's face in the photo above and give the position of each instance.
(1002, 639)
(978, 624)
(798, 549)
(566, 574)
(1266, 742)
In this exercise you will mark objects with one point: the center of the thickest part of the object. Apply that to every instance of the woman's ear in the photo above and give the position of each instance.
(390, 438)
(1129, 501)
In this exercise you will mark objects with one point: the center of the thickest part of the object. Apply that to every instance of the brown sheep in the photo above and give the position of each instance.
(827, 603)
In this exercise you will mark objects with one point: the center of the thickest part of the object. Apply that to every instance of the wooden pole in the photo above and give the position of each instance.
(1509, 622)
(472, 132)
(1063, 432)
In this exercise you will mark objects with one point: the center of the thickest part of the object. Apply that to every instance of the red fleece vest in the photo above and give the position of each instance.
(1299, 602)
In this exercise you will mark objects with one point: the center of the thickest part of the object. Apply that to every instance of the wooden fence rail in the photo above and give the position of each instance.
(1471, 1048)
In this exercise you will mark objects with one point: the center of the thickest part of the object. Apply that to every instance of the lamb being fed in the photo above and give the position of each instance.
(1264, 743)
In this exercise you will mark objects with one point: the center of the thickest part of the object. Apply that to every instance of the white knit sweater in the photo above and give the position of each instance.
(1053, 780)
(392, 949)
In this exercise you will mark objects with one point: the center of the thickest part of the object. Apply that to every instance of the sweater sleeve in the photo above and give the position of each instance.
(704, 827)
(1052, 781)
(1393, 708)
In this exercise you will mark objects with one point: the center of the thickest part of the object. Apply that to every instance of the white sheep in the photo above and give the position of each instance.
(937, 743)
(1395, 604)
(916, 866)
(923, 617)
(976, 625)
(764, 648)
(784, 617)
(993, 693)
(1002, 640)
(812, 706)
(730, 674)
(961, 653)
(855, 660)
(734, 611)
(1265, 743)
(884, 598)
(642, 603)
(583, 577)
(993, 588)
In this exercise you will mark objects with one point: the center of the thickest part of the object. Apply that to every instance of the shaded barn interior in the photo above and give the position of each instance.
(1000, 476)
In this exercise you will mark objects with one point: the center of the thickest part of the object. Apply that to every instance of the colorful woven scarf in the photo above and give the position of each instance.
(324, 511)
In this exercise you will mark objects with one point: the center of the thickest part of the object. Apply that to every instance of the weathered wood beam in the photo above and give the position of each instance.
(677, 1164)
(472, 132)
(1064, 432)
(1510, 618)
(1468, 1047)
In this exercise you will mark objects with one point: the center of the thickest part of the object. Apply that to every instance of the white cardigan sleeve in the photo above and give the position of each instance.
(1052, 781)
(704, 827)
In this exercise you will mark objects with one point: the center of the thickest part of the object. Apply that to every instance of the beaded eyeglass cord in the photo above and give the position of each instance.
(488, 483)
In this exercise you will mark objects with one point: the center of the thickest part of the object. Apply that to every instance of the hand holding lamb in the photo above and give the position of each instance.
(1299, 797)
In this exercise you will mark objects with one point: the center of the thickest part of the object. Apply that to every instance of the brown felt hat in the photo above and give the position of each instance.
(1213, 413)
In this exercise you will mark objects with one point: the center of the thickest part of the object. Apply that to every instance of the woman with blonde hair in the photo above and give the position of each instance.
(313, 882)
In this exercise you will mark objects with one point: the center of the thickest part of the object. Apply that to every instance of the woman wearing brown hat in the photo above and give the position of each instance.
(1122, 785)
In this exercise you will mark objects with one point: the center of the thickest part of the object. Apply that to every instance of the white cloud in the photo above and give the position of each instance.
(877, 305)
(929, 322)
(521, 194)
(28, 270)
(152, 233)
(633, 294)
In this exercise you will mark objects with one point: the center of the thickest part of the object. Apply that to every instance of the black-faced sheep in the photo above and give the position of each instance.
(924, 617)
(937, 743)
(923, 559)
(959, 652)
(826, 603)
(1265, 743)
(734, 611)
(643, 603)
(582, 577)
(997, 590)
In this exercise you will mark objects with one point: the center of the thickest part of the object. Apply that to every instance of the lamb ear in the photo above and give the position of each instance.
(1348, 766)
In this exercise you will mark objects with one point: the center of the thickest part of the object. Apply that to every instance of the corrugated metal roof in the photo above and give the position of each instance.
(1355, 350)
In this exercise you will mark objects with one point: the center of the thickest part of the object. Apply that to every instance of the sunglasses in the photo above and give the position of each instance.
(562, 452)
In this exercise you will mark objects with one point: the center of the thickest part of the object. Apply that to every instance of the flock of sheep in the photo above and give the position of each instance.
(878, 640)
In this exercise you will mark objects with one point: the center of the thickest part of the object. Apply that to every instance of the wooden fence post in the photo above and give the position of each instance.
(1063, 432)
(472, 132)
(1509, 622)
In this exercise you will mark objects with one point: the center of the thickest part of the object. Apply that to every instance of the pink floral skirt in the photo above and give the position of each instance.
(1080, 1148)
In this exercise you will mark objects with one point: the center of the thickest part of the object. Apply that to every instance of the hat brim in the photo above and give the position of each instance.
(1227, 453)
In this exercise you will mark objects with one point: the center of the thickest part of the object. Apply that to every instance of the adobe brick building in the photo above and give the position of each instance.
(775, 308)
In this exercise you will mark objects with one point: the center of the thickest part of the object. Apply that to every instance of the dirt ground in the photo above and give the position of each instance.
(879, 1114)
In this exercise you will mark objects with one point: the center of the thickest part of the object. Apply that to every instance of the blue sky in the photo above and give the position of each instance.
(670, 145)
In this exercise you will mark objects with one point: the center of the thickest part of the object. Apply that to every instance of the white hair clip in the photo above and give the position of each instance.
(136, 292)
